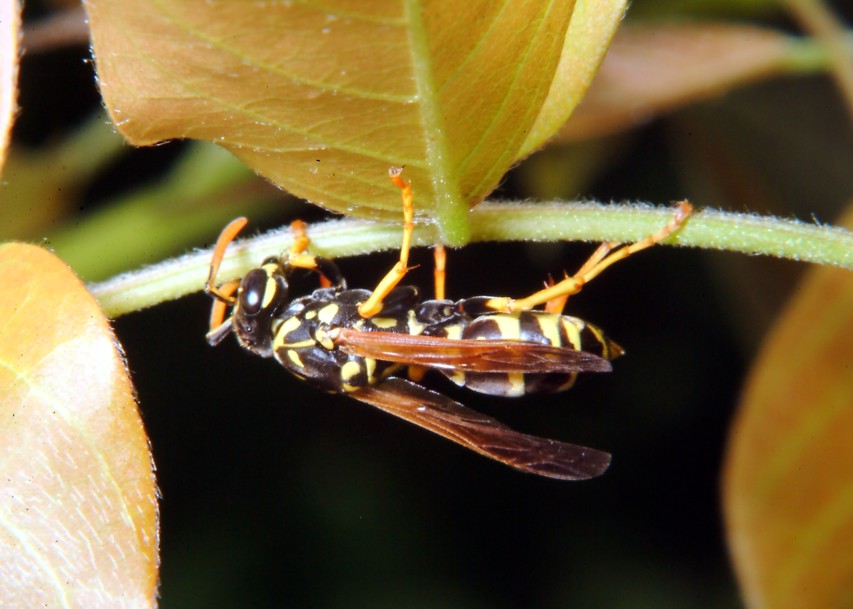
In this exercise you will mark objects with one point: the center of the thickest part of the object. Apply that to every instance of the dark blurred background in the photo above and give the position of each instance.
(275, 495)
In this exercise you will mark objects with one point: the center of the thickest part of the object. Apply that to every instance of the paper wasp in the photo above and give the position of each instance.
(363, 343)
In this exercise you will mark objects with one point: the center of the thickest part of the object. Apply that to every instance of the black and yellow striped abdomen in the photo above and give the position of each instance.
(530, 326)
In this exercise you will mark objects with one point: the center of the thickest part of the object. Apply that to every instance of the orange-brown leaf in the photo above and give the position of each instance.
(78, 510)
(10, 23)
(788, 484)
(650, 69)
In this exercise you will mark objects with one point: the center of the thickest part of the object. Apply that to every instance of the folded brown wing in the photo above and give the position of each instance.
(498, 356)
(483, 434)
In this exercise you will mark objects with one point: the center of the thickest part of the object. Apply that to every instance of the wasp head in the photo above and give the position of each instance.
(261, 297)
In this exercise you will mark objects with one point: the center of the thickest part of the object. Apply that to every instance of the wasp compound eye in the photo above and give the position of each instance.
(252, 291)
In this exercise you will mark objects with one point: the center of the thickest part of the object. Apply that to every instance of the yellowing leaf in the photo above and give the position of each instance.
(593, 25)
(788, 484)
(78, 512)
(322, 98)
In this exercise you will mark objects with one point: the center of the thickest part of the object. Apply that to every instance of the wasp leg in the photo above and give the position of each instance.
(330, 274)
(297, 257)
(300, 237)
(440, 271)
(603, 257)
(597, 256)
(417, 373)
(556, 305)
(373, 305)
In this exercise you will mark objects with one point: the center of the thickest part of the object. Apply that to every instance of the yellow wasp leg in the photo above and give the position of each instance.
(297, 257)
(300, 238)
(440, 270)
(556, 305)
(417, 373)
(373, 305)
(606, 255)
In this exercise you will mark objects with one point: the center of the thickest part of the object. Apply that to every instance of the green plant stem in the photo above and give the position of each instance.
(708, 229)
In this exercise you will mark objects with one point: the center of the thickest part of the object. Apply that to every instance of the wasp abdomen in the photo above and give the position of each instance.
(536, 327)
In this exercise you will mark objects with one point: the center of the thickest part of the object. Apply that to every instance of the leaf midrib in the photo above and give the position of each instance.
(450, 208)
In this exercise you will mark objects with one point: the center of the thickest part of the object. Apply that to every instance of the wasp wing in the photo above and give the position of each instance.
(497, 356)
(483, 434)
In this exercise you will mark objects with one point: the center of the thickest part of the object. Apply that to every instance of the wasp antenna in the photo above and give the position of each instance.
(228, 234)
(223, 295)
(215, 336)
(222, 299)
